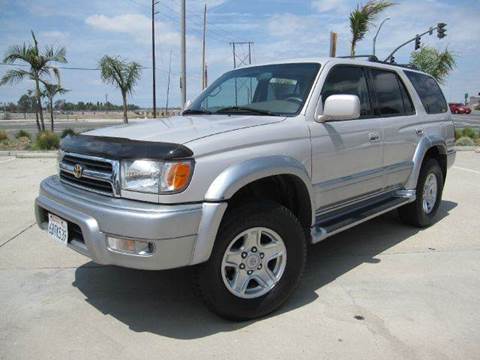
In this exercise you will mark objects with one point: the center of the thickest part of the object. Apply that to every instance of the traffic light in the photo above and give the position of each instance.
(417, 42)
(441, 31)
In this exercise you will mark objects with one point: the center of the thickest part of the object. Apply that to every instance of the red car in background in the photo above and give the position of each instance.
(459, 108)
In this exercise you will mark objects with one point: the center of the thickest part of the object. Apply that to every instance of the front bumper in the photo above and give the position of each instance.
(173, 229)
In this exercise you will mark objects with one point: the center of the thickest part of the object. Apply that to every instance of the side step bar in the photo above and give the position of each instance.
(329, 226)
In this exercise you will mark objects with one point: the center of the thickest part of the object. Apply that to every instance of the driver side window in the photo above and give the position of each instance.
(348, 80)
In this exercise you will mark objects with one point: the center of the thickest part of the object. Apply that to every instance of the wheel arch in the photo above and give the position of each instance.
(239, 180)
(428, 147)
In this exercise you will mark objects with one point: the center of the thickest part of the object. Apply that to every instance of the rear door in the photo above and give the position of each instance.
(346, 155)
(394, 107)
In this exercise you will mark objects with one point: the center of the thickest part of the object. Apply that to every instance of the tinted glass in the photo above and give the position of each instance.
(407, 100)
(389, 95)
(430, 93)
(348, 80)
(276, 89)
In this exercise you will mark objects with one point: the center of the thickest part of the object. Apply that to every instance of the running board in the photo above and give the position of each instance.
(331, 226)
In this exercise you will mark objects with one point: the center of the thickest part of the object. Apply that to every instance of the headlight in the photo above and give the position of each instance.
(150, 176)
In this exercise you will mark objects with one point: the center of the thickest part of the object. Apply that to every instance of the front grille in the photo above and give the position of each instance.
(97, 175)
(97, 165)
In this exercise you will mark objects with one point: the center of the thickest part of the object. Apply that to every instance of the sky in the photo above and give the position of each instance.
(280, 29)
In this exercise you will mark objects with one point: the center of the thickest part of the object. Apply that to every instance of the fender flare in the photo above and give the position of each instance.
(232, 179)
(425, 144)
(239, 175)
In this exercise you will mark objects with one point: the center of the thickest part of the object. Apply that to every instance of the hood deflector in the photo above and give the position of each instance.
(121, 148)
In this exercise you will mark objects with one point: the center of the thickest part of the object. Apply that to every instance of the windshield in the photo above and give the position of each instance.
(261, 90)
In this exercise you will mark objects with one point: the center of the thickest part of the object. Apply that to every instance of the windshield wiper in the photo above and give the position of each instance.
(235, 109)
(196, 112)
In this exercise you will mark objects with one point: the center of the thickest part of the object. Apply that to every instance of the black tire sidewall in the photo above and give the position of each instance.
(430, 167)
(269, 215)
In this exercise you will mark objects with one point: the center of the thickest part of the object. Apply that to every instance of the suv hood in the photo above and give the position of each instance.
(184, 129)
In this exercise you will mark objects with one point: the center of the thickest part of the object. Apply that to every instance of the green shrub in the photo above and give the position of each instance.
(458, 134)
(3, 135)
(23, 133)
(47, 140)
(67, 132)
(465, 141)
(469, 132)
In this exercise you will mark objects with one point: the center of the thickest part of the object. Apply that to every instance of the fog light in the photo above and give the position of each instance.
(136, 247)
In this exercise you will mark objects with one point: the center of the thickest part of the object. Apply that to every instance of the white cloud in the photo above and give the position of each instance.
(328, 5)
(136, 25)
(59, 37)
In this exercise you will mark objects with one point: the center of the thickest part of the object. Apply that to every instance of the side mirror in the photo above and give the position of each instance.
(340, 107)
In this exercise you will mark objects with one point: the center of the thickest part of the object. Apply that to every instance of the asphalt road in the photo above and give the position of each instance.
(382, 290)
(12, 126)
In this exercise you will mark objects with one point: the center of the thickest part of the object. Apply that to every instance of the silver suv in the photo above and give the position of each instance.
(265, 161)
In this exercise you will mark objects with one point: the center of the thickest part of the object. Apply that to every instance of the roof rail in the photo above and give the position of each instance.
(369, 57)
(373, 58)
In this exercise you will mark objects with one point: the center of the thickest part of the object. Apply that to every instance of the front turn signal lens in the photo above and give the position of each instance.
(176, 176)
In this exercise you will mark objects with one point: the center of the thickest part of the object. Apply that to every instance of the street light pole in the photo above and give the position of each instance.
(183, 46)
(378, 30)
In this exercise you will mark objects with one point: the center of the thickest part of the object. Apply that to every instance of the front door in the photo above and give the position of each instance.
(347, 155)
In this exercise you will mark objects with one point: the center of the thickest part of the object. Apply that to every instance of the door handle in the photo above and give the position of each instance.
(419, 132)
(373, 136)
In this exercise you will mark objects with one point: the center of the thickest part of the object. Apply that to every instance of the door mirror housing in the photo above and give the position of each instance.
(340, 107)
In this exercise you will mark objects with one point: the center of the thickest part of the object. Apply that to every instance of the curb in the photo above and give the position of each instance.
(467, 148)
(30, 154)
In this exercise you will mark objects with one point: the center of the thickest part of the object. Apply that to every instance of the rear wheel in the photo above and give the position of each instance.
(422, 211)
(256, 263)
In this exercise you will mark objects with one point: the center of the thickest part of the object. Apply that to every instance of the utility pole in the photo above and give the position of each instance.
(333, 44)
(240, 59)
(168, 83)
(183, 79)
(204, 80)
(153, 60)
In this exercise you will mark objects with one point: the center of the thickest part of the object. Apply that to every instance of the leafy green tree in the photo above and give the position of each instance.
(122, 74)
(40, 66)
(50, 91)
(434, 62)
(362, 18)
(25, 104)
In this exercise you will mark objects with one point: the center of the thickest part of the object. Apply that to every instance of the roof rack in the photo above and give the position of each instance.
(373, 58)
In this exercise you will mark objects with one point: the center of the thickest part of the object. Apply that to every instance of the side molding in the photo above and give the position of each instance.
(423, 146)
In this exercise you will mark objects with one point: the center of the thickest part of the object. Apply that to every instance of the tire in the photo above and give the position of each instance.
(418, 213)
(214, 278)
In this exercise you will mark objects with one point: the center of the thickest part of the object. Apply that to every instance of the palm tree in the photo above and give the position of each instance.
(434, 62)
(40, 66)
(362, 17)
(49, 91)
(122, 74)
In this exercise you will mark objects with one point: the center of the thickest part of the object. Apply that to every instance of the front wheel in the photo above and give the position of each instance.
(422, 211)
(256, 263)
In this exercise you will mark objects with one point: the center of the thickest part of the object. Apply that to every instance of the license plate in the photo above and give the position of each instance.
(57, 229)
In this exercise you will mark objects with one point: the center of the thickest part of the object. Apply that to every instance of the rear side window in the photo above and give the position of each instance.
(348, 80)
(429, 92)
(392, 97)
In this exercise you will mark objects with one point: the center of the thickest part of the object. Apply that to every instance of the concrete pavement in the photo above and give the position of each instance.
(382, 290)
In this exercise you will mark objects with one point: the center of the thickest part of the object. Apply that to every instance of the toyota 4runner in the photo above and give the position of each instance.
(266, 160)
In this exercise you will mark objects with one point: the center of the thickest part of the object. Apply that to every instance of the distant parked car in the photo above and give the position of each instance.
(458, 108)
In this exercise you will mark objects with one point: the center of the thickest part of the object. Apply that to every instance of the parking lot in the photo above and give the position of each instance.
(382, 290)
